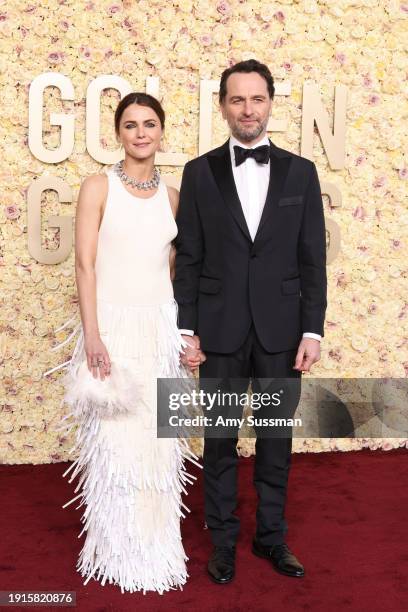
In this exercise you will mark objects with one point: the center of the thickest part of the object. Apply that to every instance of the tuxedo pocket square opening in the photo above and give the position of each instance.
(290, 286)
(290, 200)
(209, 285)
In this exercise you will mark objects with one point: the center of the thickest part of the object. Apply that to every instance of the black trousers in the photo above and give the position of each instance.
(273, 455)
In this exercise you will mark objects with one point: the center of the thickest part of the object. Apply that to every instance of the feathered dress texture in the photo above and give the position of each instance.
(130, 481)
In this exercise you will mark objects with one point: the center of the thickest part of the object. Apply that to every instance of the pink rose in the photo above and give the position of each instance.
(86, 52)
(223, 7)
(341, 280)
(12, 212)
(335, 354)
(359, 213)
(191, 86)
(55, 57)
(379, 182)
(374, 100)
(404, 311)
(340, 57)
(386, 446)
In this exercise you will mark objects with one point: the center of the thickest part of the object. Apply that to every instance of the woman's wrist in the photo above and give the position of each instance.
(91, 334)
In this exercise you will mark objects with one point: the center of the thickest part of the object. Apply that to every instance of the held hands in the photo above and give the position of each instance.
(308, 353)
(97, 357)
(193, 355)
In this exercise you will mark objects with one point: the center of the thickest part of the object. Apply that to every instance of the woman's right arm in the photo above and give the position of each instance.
(91, 199)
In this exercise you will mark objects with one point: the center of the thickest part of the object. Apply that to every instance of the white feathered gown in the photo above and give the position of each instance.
(130, 481)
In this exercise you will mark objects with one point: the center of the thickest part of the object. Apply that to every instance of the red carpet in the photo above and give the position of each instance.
(347, 515)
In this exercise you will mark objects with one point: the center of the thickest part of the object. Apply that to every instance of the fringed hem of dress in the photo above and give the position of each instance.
(130, 481)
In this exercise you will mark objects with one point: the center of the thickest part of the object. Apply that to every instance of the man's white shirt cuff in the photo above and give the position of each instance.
(311, 335)
(186, 332)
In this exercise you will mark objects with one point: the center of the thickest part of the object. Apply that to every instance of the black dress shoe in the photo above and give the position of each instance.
(282, 559)
(221, 566)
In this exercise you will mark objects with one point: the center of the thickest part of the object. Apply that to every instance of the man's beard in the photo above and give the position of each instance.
(248, 136)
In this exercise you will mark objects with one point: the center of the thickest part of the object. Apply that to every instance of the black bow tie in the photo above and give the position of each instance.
(260, 154)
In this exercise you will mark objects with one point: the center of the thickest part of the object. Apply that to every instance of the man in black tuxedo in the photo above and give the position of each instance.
(251, 287)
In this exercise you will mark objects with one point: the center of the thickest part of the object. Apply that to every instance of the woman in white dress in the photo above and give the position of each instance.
(131, 481)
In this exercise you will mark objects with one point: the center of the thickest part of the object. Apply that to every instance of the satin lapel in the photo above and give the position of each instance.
(220, 164)
(280, 164)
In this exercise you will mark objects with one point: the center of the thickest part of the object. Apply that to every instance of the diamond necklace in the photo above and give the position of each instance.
(150, 184)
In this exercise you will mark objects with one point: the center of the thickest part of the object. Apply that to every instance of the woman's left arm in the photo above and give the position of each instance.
(174, 202)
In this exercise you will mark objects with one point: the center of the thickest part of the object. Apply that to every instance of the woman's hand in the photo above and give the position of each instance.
(193, 355)
(194, 362)
(97, 357)
(202, 357)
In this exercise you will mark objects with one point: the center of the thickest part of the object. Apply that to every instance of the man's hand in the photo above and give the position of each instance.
(193, 356)
(308, 353)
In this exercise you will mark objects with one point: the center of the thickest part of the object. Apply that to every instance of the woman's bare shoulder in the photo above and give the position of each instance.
(95, 181)
(93, 194)
(94, 188)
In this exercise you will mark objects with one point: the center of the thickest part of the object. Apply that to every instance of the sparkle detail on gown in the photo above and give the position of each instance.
(130, 481)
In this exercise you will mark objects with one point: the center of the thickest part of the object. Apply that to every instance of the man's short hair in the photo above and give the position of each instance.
(247, 66)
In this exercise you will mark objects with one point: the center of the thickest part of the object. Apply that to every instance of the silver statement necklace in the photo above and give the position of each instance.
(150, 184)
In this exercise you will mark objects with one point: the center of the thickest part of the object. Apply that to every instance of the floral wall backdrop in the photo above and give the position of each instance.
(357, 44)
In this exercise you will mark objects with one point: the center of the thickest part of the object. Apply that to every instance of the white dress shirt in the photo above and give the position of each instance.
(252, 181)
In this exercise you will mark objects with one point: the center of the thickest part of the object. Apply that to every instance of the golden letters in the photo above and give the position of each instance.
(313, 112)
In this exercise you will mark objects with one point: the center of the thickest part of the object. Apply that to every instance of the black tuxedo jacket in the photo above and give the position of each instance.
(224, 280)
